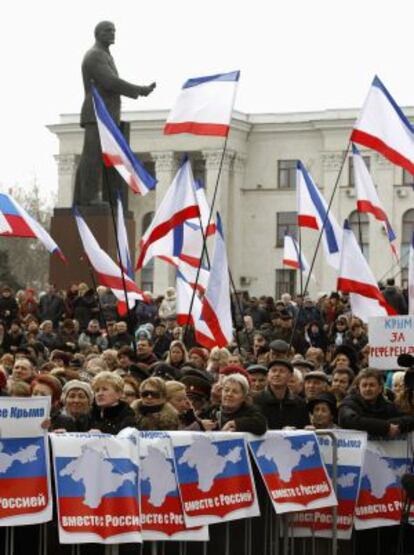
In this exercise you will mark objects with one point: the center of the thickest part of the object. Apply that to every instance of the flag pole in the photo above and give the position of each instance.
(118, 251)
(312, 264)
(361, 245)
(92, 276)
(204, 247)
(300, 262)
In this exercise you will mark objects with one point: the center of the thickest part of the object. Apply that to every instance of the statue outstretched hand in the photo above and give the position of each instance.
(147, 90)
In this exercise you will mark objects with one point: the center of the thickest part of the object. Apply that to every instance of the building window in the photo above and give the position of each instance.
(351, 177)
(286, 222)
(285, 282)
(147, 272)
(359, 223)
(286, 174)
(407, 178)
(406, 236)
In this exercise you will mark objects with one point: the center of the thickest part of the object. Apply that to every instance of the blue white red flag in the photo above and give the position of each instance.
(107, 271)
(162, 514)
(293, 471)
(293, 257)
(117, 153)
(411, 277)
(97, 487)
(382, 126)
(368, 199)
(214, 477)
(184, 292)
(16, 222)
(356, 278)
(26, 496)
(124, 253)
(204, 106)
(164, 236)
(216, 307)
(313, 213)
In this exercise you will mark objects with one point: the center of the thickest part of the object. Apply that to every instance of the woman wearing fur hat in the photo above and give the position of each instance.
(77, 397)
(152, 410)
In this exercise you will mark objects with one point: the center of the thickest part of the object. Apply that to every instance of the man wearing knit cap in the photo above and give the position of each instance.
(280, 407)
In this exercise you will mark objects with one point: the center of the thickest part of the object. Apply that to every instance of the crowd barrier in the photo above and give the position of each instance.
(281, 493)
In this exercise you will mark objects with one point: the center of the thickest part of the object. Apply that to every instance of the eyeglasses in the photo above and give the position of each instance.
(153, 394)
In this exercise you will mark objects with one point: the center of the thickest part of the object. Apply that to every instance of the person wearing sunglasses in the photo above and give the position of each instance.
(152, 410)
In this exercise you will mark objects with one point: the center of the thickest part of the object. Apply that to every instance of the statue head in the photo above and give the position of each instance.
(105, 33)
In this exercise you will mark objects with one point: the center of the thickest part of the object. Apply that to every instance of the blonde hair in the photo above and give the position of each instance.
(110, 378)
(174, 387)
(156, 383)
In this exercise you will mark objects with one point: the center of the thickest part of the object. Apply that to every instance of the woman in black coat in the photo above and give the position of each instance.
(236, 412)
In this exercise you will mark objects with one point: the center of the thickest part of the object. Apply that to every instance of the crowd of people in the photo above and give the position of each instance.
(293, 363)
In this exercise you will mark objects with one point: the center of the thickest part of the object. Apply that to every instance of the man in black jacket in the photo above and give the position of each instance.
(368, 410)
(280, 407)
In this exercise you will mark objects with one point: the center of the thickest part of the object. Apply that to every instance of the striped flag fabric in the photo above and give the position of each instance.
(313, 213)
(204, 106)
(184, 292)
(216, 306)
(15, 221)
(107, 271)
(356, 278)
(117, 153)
(411, 277)
(292, 256)
(164, 236)
(124, 253)
(383, 127)
(368, 199)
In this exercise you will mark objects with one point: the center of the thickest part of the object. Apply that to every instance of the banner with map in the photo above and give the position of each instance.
(350, 455)
(380, 497)
(292, 469)
(97, 487)
(162, 516)
(214, 477)
(25, 489)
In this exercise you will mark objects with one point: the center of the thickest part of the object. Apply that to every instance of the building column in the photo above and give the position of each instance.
(234, 216)
(67, 164)
(212, 159)
(166, 166)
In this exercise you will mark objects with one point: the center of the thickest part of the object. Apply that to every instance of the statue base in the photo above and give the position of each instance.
(65, 232)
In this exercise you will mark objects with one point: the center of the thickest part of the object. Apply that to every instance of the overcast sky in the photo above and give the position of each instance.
(294, 55)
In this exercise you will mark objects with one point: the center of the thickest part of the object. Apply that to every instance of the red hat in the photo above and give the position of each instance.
(199, 351)
(51, 382)
(235, 369)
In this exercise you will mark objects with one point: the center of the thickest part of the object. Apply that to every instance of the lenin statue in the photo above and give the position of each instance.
(98, 68)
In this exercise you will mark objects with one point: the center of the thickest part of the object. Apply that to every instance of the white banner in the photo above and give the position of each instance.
(350, 455)
(25, 492)
(380, 496)
(292, 469)
(389, 337)
(97, 487)
(214, 477)
(162, 515)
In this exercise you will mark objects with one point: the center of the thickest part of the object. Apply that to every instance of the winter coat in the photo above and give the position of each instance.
(248, 418)
(64, 421)
(375, 418)
(51, 307)
(87, 339)
(8, 310)
(168, 307)
(396, 299)
(164, 419)
(111, 420)
(84, 309)
(289, 411)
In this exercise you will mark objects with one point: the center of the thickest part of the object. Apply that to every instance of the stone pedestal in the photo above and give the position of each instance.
(65, 232)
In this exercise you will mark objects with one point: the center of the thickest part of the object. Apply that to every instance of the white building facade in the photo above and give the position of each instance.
(257, 195)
